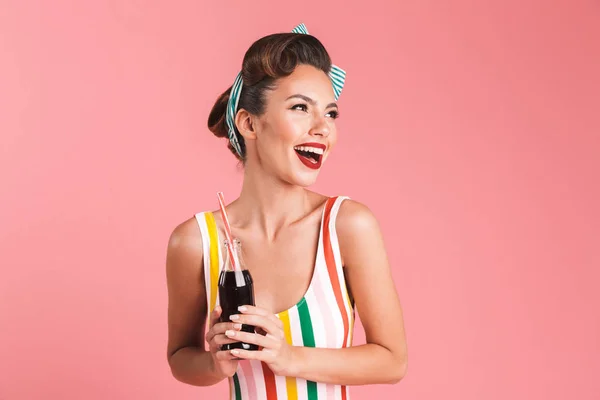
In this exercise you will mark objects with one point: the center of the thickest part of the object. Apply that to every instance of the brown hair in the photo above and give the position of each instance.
(269, 58)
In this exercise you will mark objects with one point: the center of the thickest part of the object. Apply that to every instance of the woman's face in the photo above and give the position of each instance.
(296, 133)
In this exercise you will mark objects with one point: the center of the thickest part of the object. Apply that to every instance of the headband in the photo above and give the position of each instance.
(336, 75)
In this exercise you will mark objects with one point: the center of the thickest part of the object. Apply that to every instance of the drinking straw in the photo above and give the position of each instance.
(232, 255)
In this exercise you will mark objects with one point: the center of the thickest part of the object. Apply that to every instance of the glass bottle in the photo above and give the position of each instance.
(235, 289)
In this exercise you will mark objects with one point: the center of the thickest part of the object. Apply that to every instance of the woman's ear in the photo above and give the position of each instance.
(246, 124)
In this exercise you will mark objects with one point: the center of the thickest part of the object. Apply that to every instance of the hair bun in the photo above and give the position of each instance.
(216, 118)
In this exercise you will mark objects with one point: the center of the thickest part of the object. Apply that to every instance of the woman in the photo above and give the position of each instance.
(313, 258)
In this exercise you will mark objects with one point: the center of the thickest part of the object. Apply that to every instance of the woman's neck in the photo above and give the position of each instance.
(267, 204)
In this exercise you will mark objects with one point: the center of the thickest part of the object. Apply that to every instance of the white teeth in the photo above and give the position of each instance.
(310, 149)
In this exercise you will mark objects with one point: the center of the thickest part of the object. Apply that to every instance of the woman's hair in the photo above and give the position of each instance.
(268, 59)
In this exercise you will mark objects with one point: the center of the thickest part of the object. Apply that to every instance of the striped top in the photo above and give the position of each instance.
(324, 317)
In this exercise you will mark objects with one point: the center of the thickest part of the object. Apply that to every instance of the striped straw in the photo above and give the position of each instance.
(232, 256)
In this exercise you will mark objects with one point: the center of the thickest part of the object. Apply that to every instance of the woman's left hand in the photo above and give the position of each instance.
(273, 348)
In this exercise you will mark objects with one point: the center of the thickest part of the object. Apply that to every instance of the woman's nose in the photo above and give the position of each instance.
(321, 128)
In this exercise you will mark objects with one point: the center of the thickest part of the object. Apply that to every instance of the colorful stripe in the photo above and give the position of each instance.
(201, 220)
(333, 273)
(236, 383)
(248, 374)
(269, 382)
(308, 337)
(242, 374)
(327, 303)
(340, 271)
(323, 291)
(319, 332)
(259, 379)
(214, 258)
(296, 329)
(280, 385)
(336, 275)
(290, 382)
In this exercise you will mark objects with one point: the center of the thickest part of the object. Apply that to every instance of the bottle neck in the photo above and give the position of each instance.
(233, 256)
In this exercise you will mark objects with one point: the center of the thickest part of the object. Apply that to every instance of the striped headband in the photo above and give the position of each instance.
(336, 75)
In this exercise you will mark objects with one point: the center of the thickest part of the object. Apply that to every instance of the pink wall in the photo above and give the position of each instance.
(481, 120)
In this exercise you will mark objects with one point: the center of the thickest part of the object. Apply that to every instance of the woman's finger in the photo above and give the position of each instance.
(218, 341)
(259, 321)
(222, 339)
(252, 338)
(214, 315)
(247, 309)
(221, 327)
(251, 355)
(225, 355)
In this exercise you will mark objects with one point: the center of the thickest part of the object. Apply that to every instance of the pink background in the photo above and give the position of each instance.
(481, 120)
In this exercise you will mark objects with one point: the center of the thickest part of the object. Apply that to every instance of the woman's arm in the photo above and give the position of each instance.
(383, 359)
(189, 361)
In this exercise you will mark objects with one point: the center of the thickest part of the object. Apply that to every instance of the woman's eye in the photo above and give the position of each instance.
(301, 107)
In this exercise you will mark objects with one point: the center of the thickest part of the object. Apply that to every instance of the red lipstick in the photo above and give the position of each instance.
(311, 159)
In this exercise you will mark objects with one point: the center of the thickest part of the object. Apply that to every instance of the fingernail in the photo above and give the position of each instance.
(235, 352)
(237, 326)
(229, 333)
(234, 317)
(242, 308)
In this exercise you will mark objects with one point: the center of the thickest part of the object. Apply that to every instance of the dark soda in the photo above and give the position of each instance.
(236, 289)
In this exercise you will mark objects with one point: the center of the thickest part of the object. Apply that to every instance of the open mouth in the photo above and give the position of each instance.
(310, 156)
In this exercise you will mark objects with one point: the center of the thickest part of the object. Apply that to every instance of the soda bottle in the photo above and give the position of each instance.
(235, 289)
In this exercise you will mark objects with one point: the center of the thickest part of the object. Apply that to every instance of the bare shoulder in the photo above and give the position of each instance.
(357, 227)
(184, 248)
(355, 219)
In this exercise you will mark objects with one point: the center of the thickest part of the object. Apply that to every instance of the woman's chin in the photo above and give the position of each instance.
(303, 179)
(309, 179)
(298, 175)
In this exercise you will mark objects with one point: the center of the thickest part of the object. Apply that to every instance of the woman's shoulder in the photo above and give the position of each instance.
(355, 216)
(356, 226)
(352, 215)
(185, 243)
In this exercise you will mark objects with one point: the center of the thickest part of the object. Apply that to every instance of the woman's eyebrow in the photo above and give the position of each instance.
(309, 100)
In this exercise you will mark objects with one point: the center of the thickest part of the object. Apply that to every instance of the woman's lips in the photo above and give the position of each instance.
(309, 162)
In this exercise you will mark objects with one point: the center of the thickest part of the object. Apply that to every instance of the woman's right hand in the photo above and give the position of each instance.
(225, 363)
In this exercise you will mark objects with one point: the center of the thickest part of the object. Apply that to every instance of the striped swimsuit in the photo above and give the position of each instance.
(324, 317)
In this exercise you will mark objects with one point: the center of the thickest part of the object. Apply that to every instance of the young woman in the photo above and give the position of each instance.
(314, 258)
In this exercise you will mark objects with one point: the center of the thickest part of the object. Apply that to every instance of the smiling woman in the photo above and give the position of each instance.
(314, 259)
